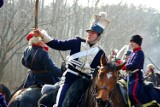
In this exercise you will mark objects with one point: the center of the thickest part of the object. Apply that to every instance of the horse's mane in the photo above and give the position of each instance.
(111, 66)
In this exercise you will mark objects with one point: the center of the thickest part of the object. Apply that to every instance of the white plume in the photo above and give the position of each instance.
(103, 14)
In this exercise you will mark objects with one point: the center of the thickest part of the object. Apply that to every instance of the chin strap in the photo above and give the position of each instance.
(95, 41)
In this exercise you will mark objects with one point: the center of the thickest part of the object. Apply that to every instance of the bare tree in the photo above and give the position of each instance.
(13, 29)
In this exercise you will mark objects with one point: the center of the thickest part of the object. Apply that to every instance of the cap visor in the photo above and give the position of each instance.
(88, 30)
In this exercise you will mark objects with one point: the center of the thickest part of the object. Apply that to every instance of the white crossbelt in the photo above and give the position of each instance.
(73, 72)
(83, 53)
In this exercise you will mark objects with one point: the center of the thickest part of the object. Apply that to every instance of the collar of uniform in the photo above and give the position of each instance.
(92, 45)
(36, 45)
(137, 49)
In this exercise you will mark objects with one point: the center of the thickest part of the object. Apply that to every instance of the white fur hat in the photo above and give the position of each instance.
(35, 40)
(32, 39)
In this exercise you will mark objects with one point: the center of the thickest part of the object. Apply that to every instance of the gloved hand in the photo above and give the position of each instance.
(43, 34)
(46, 38)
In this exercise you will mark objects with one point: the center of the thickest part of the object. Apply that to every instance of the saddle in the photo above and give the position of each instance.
(123, 88)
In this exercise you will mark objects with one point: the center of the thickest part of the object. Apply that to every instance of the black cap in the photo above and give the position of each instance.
(137, 39)
(128, 53)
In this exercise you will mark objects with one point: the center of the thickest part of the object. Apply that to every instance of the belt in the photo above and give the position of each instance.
(82, 75)
(136, 70)
(38, 72)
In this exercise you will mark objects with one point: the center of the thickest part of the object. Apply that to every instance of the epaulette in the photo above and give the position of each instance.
(82, 39)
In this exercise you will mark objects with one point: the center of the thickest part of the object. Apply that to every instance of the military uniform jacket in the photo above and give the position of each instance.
(75, 46)
(42, 70)
(136, 61)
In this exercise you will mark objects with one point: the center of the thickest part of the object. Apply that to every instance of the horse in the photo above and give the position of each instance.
(106, 86)
(26, 97)
(154, 78)
(103, 90)
(6, 92)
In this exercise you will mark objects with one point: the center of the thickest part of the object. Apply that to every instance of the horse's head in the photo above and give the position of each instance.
(106, 81)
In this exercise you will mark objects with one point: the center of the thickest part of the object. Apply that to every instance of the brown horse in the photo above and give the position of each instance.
(106, 91)
(102, 90)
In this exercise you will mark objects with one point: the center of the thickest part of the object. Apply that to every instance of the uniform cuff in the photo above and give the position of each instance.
(124, 68)
(46, 38)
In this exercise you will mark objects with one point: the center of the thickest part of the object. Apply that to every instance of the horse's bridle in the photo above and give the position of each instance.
(99, 101)
(106, 103)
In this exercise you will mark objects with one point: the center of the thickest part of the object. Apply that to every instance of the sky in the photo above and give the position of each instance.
(146, 3)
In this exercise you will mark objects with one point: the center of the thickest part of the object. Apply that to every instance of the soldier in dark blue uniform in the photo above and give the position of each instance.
(84, 56)
(139, 94)
(135, 62)
(42, 70)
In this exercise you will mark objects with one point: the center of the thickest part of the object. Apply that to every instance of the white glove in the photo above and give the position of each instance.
(46, 38)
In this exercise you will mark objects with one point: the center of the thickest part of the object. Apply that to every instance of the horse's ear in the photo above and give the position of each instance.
(119, 67)
(103, 60)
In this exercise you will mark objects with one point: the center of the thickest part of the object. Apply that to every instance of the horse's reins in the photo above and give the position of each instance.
(95, 90)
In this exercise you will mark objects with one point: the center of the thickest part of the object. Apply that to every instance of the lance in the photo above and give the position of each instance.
(36, 13)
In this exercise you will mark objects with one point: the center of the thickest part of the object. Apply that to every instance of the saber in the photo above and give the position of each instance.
(36, 13)
(153, 63)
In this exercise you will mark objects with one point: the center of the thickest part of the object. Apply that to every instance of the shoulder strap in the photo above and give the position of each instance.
(84, 53)
(33, 57)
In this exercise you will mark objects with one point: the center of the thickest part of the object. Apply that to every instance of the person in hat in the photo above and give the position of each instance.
(42, 69)
(84, 56)
(150, 69)
(152, 76)
(127, 55)
(135, 65)
(112, 55)
(139, 94)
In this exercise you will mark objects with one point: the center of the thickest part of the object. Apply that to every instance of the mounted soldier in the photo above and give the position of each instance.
(139, 93)
(84, 56)
(42, 70)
